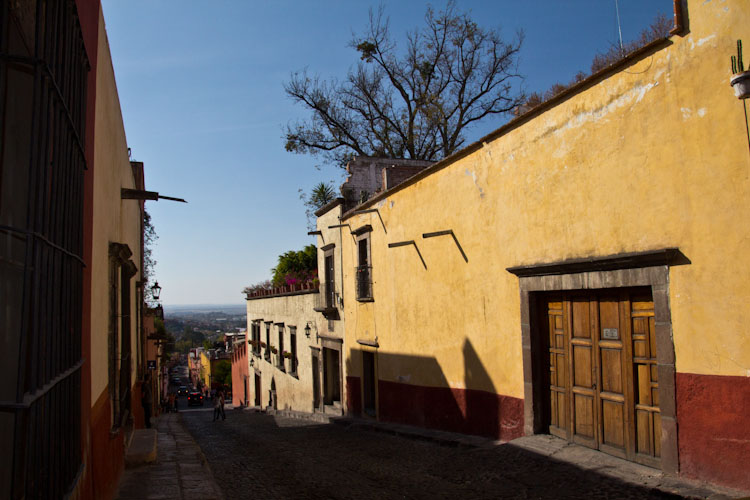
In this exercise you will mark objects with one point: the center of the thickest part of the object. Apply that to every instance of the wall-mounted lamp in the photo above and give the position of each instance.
(252, 362)
(156, 291)
(307, 330)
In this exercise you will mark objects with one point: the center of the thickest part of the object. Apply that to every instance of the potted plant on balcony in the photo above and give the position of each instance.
(741, 78)
(273, 349)
(287, 354)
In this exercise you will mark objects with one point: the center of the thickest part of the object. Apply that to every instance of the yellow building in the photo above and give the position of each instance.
(580, 271)
(205, 368)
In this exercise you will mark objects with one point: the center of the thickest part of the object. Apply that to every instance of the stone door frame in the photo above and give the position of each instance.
(620, 271)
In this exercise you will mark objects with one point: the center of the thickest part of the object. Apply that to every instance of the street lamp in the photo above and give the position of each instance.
(156, 291)
(307, 330)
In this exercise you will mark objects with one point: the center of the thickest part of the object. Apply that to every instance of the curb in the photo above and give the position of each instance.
(142, 448)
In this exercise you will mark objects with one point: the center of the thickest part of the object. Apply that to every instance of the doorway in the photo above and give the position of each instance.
(316, 379)
(603, 387)
(257, 390)
(331, 377)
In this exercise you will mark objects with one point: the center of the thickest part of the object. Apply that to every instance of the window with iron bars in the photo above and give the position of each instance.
(364, 282)
(44, 70)
(363, 271)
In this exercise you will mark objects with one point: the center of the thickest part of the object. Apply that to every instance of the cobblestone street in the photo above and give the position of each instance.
(260, 456)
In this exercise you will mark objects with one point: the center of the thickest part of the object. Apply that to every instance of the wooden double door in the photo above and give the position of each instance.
(603, 384)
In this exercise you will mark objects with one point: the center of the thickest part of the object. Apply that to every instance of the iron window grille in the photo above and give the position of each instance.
(364, 282)
(280, 351)
(293, 349)
(43, 78)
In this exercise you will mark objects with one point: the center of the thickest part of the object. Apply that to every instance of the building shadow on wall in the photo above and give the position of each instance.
(475, 408)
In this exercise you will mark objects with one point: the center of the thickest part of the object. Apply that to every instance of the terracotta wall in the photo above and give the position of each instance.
(240, 375)
(714, 428)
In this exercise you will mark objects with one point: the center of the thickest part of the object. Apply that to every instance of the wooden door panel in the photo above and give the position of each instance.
(581, 318)
(613, 431)
(645, 381)
(603, 374)
(582, 361)
(611, 368)
(582, 369)
(612, 376)
(585, 426)
(557, 370)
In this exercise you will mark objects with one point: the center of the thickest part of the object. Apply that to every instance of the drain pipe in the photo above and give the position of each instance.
(679, 24)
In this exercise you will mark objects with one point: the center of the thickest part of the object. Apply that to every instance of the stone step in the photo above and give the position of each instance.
(142, 449)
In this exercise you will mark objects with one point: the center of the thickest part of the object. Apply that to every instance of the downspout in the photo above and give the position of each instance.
(342, 378)
(679, 24)
(341, 264)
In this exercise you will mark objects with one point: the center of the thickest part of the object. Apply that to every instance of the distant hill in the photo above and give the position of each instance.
(205, 308)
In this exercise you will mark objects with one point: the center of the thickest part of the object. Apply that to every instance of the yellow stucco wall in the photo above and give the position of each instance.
(205, 370)
(115, 220)
(651, 157)
(332, 235)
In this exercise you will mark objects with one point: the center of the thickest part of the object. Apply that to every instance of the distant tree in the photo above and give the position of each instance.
(295, 266)
(207, 344)
(193, 336)
(149, 263)
(412, 103)
(222, 373)
(183, 346)
(659, 28)
(319, 196)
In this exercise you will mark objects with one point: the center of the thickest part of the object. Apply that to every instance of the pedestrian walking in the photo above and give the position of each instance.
(146, 399)
(221, 401)
(217, 409)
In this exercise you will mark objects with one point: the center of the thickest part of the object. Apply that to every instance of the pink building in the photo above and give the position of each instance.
(240, 374)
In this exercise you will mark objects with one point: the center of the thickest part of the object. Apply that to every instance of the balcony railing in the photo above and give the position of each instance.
(364, 282)
(326, 301)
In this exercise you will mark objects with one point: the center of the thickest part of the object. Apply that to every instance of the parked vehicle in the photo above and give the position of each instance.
(195, 398)
(182, 391)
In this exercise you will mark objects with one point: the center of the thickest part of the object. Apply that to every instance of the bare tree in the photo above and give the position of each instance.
(413, 104)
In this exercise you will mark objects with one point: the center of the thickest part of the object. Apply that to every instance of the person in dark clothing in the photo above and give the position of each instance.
(217, 409)
(221, 405)
(146, 399)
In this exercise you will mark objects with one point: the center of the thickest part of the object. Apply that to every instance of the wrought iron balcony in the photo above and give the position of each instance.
(326, 301)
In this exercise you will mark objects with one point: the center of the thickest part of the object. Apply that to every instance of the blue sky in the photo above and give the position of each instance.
(201, 91)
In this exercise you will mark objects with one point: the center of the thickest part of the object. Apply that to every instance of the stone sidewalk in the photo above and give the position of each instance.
(179, 472)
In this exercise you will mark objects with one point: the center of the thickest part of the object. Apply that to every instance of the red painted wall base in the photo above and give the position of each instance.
(456, 410)
(353, 395)
(713, 418)
(107, 450)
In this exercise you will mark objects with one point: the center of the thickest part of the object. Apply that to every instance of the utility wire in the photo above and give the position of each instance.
(619, 29)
